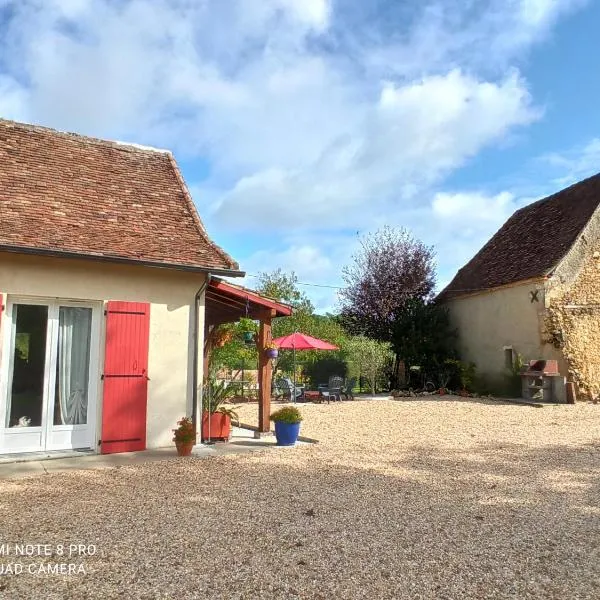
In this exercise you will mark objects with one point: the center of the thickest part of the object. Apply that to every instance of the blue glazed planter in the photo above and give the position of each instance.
(272, 352)
(286, 433)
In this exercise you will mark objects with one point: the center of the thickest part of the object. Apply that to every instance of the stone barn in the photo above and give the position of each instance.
(534, 290)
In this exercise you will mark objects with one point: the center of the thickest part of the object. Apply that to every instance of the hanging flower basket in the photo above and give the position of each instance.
(248, 336)
(272, 352)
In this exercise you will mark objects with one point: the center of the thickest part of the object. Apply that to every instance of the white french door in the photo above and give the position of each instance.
(49, 375)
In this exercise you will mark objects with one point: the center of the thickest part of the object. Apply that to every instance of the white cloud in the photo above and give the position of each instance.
(311, 116)
(407, 138)
(473, 206)
(483, 35)
(575, 164)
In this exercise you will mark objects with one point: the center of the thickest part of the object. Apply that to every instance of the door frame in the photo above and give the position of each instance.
(47, 429)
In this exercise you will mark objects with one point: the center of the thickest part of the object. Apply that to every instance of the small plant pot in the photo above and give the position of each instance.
(184, 448)
(272, 352)
(286, 433)
(248, 337)
(464, 393)
(442, 391)
(220, 426)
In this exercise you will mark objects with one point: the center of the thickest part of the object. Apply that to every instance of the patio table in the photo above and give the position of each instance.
(312, 396)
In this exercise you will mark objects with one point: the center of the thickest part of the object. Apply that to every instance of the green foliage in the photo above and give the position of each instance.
(422, 336)
(235, 354)
(216, 393)
(513, 377)
(461, 374)
(368, 358)
(284, 288)
(323, 367)
(287, 414)
(185, 431)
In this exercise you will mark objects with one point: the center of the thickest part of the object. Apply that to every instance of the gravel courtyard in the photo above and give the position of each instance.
(433, 498)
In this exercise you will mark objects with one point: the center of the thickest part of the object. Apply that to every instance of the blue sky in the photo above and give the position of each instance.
(301, 124)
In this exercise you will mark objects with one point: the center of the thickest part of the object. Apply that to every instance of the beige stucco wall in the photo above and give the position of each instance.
(171, 295)
(487, 322)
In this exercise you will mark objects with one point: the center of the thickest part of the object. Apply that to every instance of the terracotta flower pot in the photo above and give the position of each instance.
(220, 426)
(184, 448)
(442, 391)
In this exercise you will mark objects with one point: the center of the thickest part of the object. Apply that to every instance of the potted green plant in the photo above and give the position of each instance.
(184, 436)
(216, 416)
(287, 425)
(271, 350)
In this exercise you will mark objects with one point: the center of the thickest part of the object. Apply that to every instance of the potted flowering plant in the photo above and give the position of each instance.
(271, 350)
(184, 436)
(287, 425)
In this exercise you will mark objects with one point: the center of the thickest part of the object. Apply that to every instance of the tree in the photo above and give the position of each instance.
(422, 336)
(369, 358)
(391, 270)
(284, 288)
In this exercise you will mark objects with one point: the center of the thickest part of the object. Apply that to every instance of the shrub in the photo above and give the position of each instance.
(370, 359)
(462, 374)
(322, 368)
(287, 414)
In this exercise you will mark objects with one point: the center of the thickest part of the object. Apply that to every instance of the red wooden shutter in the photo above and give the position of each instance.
(1, 311)
(125, 377)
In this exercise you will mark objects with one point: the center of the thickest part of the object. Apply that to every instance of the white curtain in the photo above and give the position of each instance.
(74, 332)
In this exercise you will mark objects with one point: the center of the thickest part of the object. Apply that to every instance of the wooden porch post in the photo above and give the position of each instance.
(265, 372)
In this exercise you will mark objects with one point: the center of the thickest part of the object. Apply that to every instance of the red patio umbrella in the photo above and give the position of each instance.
(301, 341)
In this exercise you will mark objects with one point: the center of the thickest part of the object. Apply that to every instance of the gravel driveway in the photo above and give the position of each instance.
(424, 498)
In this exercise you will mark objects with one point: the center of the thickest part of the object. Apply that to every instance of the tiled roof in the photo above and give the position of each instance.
(531, 243)
(65, 193)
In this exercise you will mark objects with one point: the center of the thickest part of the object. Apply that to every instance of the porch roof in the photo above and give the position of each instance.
(226, 302)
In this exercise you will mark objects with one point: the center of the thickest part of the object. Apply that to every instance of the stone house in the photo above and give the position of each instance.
(534, 290)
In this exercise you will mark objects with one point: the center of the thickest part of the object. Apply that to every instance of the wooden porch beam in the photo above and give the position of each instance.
(265, 372)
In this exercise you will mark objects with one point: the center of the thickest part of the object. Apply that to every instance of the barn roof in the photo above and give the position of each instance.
(531, 243)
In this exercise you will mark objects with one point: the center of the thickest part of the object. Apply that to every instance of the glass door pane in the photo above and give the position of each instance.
(26, 394)
(73, 366)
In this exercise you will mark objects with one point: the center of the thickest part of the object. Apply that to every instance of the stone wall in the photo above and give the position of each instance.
(572, 321)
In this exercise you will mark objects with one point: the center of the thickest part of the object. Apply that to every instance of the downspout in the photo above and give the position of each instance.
(196, 333)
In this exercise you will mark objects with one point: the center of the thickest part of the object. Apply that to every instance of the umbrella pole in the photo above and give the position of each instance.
(294, 391)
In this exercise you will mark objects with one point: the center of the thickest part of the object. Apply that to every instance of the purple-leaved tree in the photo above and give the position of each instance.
(390, 270)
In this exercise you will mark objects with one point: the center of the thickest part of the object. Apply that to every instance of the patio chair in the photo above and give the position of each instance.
(333, 390)
(276, 390)
(287, 388)
(348, 388)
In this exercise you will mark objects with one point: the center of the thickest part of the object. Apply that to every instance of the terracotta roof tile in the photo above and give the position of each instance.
(532, 242)
(71, 194)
